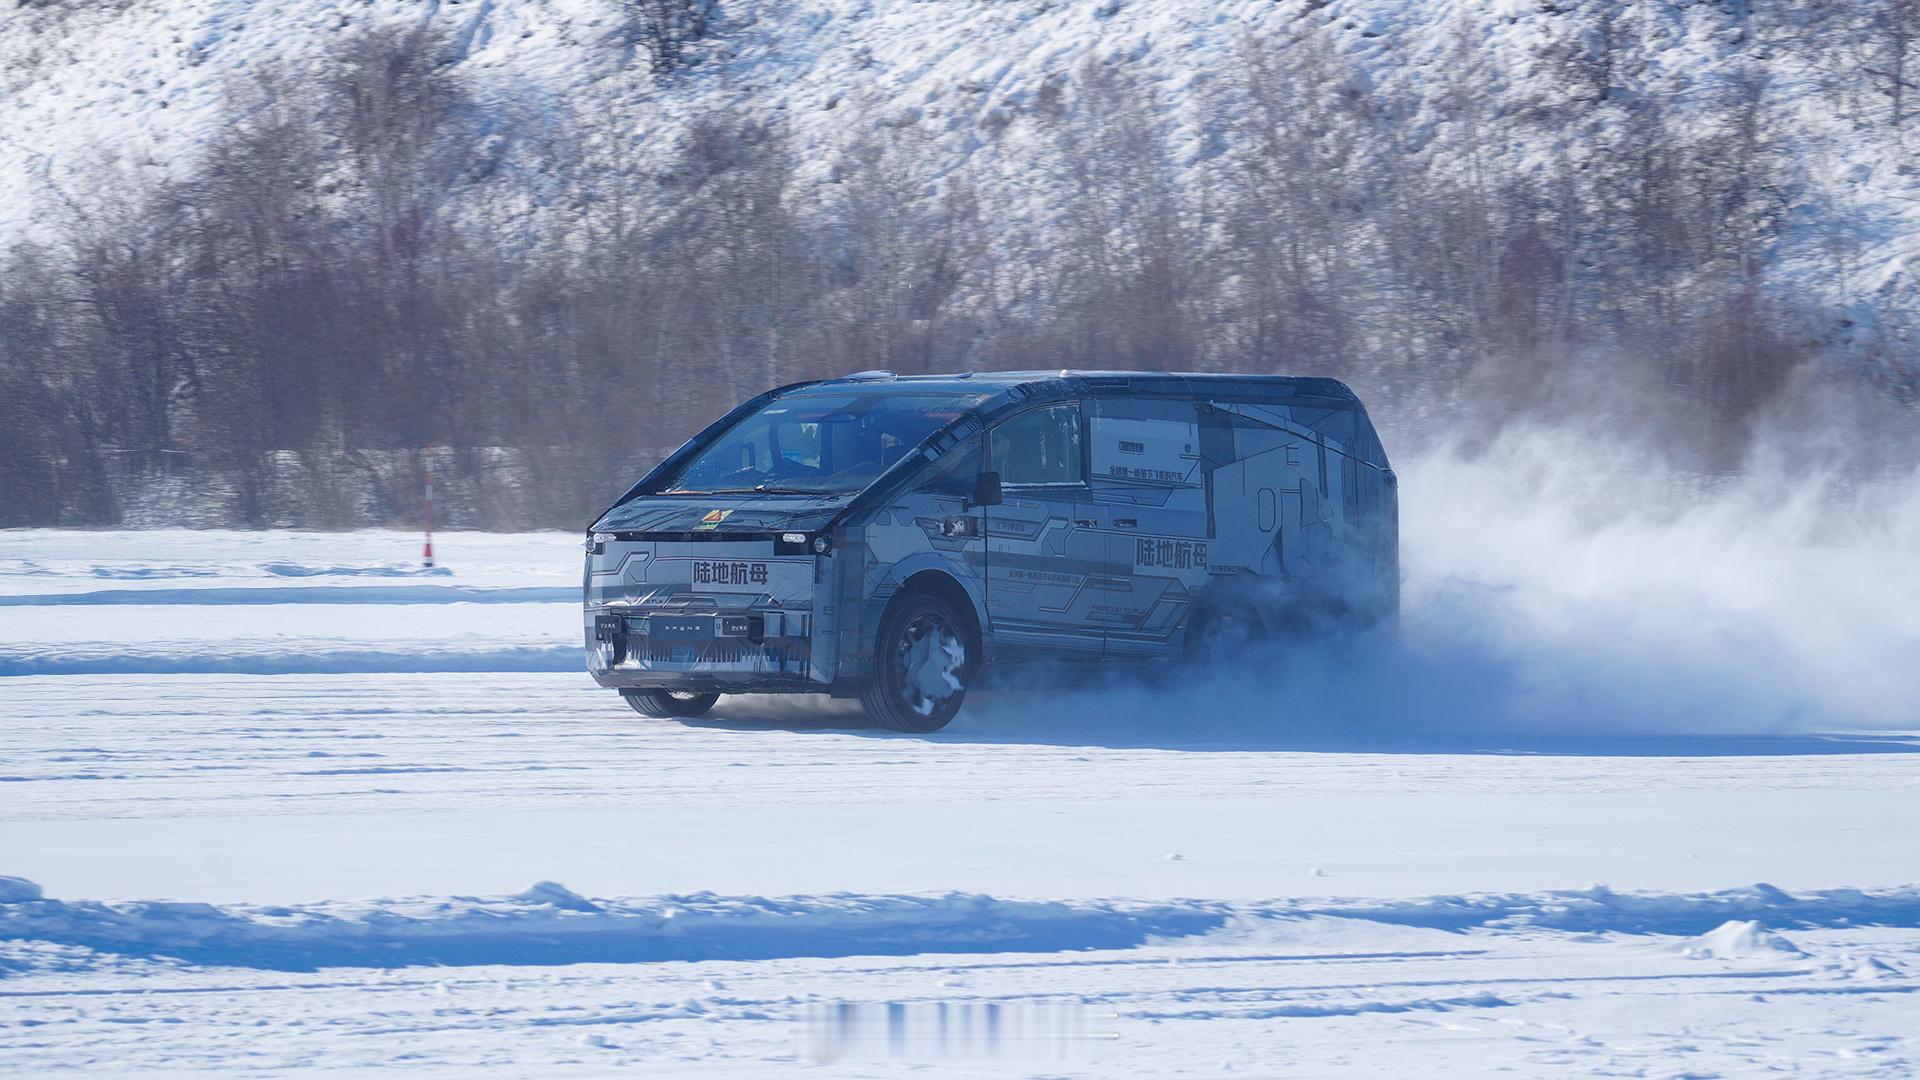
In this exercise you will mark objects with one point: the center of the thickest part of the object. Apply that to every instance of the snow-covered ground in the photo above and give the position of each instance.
(284, 602)
(279, 803)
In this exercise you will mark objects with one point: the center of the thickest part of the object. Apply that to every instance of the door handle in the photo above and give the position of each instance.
(1126, 523)
(1087, 523)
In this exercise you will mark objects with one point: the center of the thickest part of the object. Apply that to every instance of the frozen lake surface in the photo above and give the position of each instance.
(280, 804)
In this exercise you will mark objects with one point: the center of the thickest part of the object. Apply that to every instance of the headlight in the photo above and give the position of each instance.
(820, 545)
(793, 538)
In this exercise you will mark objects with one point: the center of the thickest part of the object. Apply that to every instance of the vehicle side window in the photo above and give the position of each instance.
(1040, 447)
(1146, 441)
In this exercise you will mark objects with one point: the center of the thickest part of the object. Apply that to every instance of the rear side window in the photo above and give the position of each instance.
(1145, 441)
(1040, 447)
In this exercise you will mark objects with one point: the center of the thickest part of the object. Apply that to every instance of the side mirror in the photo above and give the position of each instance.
(986, 490)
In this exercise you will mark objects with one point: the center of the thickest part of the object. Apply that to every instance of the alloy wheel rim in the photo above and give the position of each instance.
(928, 661)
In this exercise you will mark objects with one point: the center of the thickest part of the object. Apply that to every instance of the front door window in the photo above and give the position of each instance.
(1046, 557)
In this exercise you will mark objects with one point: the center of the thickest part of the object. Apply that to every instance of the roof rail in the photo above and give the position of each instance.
(875, 374)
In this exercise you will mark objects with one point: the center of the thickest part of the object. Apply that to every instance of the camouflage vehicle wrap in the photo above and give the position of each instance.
(1061, 516)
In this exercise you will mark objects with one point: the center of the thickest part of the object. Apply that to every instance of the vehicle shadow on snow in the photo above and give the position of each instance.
(1385, 692)
(1170, 718)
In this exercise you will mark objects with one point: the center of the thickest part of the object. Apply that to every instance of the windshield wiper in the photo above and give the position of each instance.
(758, 489)
(769, 489)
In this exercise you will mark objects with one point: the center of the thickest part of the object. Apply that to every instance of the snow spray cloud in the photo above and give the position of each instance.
(1558, 585)
(1600, 590)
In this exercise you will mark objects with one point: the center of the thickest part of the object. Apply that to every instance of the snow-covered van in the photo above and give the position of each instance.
(899, 537)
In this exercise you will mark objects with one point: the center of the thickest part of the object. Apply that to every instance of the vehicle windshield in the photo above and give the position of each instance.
(818, 441)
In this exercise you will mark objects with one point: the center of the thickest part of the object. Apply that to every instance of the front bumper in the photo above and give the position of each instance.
(638, 648)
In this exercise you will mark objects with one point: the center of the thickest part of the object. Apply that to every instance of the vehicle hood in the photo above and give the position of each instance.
(736, 513)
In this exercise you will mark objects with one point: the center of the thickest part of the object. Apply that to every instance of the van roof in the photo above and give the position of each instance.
(1144, 382)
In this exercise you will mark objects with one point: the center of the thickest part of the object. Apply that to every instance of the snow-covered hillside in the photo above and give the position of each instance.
(265, 253)
(143, 84)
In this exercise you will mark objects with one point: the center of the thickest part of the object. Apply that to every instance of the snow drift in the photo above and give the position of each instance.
(550, 924)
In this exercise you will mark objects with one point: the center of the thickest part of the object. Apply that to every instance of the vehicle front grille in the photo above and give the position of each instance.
(722, 651)
(717, 652)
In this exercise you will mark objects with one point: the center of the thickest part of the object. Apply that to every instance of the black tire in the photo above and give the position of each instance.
(913, 653)
(669, 704)
(1221, 635)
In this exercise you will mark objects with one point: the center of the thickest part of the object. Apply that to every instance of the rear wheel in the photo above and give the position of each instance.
(1222, 635)
(669, 704)
(922, 660)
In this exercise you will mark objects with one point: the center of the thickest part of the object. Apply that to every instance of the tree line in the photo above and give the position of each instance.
(371, 271)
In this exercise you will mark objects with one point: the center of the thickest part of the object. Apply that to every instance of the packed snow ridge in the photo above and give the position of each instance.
(550, 924)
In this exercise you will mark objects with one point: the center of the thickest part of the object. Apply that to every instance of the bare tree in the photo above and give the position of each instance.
(665, 28)
(1120, 273)
(1888, 35)
(368, 259)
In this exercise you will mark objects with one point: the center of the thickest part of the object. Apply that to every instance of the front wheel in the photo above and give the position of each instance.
(922, 661)
(669, 704)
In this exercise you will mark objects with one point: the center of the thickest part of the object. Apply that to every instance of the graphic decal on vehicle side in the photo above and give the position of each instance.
(1159, 552)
